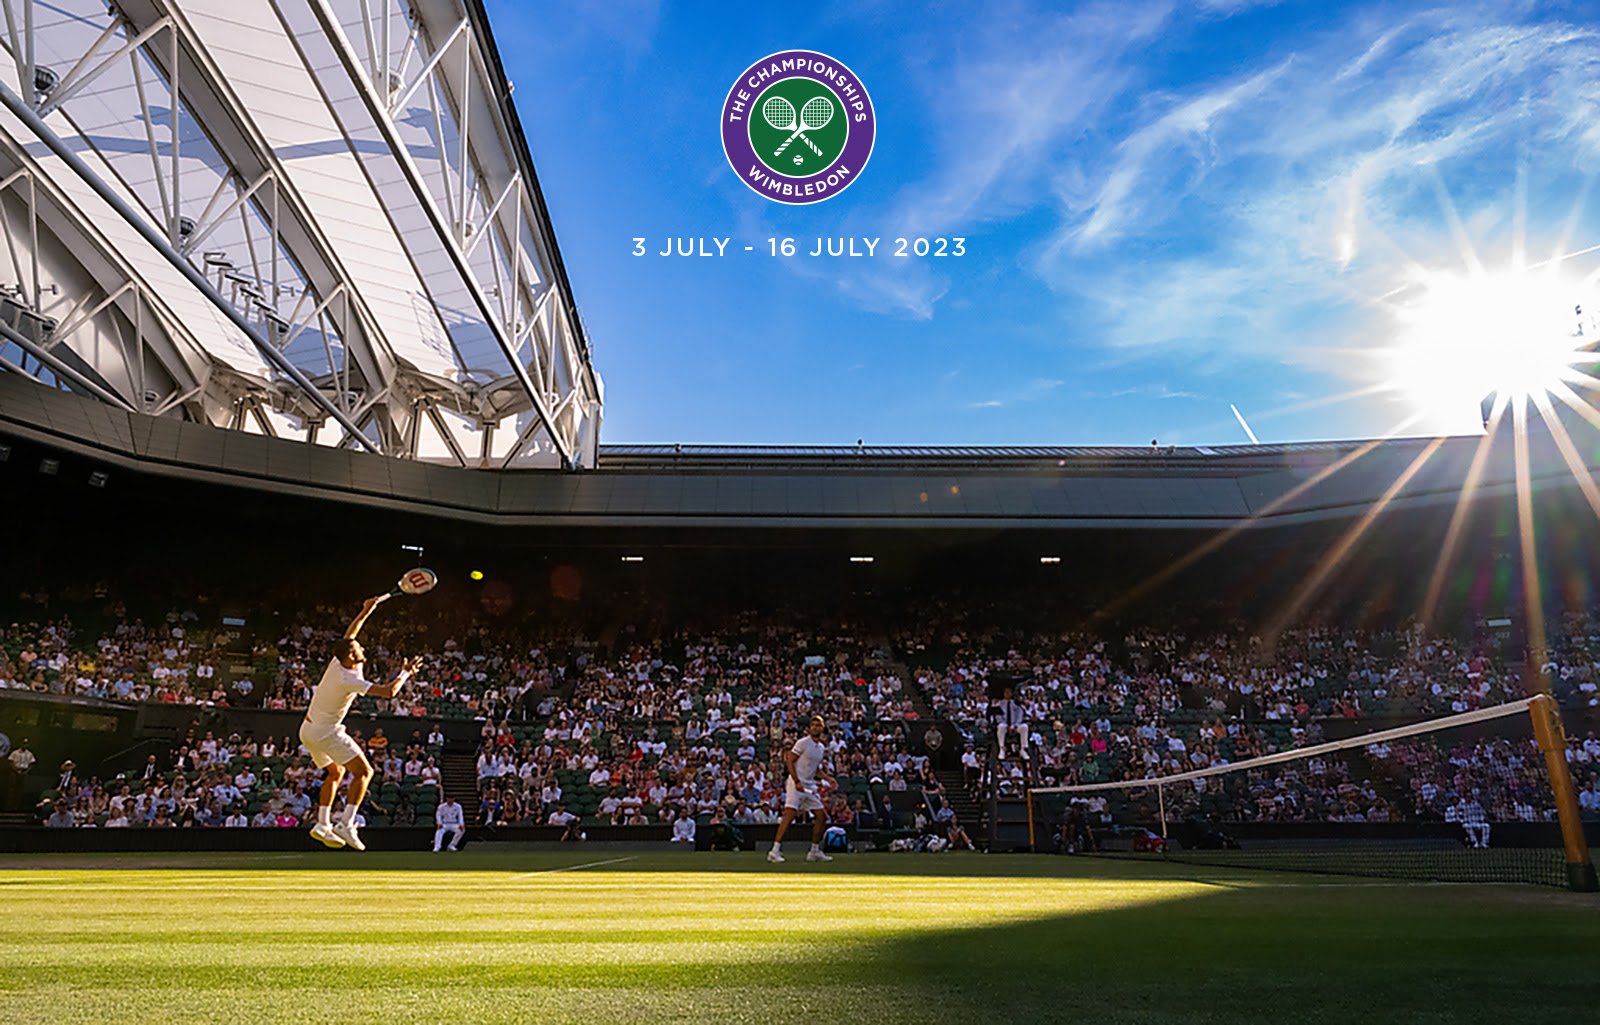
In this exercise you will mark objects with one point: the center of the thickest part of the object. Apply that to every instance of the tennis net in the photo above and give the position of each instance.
(1470, 797)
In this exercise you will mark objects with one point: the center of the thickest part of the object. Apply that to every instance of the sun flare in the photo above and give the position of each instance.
(1463, 337)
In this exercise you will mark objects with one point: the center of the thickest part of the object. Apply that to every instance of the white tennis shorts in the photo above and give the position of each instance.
(328, 746)
(800, 800)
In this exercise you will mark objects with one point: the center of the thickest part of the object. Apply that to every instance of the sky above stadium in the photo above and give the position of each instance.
(1168, 208)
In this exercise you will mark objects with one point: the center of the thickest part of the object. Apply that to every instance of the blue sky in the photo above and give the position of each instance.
(1168, 207)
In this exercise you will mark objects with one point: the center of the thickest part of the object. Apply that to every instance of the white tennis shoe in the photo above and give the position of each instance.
(327, 835)
(347, 833)
(818, 856)
(775, 857)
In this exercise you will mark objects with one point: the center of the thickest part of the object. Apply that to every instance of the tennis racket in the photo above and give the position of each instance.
(778, 112)
(416, 581)
(816, 113)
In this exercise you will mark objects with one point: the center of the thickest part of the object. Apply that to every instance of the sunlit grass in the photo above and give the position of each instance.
(721, 938)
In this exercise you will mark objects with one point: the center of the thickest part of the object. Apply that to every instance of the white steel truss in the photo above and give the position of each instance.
(379, 255)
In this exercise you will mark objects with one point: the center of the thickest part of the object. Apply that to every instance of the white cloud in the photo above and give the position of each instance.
(1038, 388)
(1015, 82)
(1261, 219)
(1021, 84)
(909, 290)
(1186, 126)
(902, 288)
(1158, 391)
(1232, 7)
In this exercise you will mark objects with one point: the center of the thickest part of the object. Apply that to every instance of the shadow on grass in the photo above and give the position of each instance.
(1314, 951)
(1333, 954)
(1270, 954)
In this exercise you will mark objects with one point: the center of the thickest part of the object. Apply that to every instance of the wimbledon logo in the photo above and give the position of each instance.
(798, 127)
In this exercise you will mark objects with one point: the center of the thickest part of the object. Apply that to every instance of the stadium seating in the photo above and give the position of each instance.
(710, 708)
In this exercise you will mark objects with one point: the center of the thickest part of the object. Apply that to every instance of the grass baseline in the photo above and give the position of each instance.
(686, 937)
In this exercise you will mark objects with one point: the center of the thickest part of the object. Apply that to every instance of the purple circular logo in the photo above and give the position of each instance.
(798, 127)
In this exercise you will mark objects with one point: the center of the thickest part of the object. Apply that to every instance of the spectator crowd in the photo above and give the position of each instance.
(646, 718)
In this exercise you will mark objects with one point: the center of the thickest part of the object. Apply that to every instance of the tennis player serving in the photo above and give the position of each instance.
(324, 736)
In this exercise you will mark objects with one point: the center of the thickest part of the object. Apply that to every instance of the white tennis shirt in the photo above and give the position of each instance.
(331, 701)
(808, 758)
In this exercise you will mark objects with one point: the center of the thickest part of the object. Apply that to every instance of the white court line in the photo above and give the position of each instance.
(572, 868)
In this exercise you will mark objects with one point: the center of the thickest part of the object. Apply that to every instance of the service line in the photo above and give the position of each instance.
(572, 868)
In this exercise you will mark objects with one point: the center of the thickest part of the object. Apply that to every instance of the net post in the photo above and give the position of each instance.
(1033, 849)
(1161, 805)
(1552, 740)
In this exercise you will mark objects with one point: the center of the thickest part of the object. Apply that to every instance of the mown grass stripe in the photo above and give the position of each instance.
(890, 940)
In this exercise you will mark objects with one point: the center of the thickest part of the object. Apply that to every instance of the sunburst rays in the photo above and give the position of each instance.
(1533, 372)
(1346, 542)
(1458, 518)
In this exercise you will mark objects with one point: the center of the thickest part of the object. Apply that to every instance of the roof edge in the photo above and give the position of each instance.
(483, 33)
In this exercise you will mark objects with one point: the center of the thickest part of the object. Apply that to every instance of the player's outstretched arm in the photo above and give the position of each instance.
(361, 618)
(390, 689)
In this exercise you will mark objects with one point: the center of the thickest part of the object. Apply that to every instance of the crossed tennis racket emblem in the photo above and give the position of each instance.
(814, 114)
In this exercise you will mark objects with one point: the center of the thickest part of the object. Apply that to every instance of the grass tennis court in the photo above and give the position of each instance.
(505, 937)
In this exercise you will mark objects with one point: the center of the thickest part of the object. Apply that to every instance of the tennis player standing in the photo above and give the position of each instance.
(324, 736)
(804, 760)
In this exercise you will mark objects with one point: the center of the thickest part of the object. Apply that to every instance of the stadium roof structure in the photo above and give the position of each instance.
(306, 219)
(720, 487)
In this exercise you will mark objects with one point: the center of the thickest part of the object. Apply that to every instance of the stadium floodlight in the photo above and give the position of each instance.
(1049, 560)
(860, 558)
(98, 478)
(633, 558)
(49, 467)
